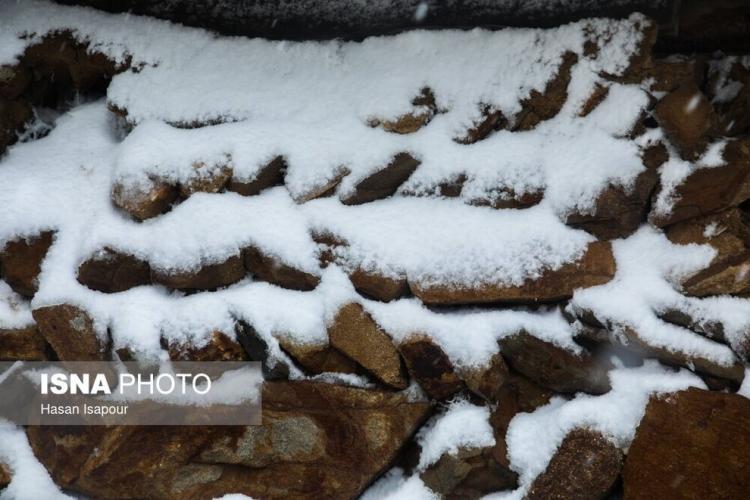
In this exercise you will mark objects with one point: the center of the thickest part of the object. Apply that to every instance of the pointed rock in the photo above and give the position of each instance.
(110, 271)
(271, 174)
(71, 333)
(384, 182)
(271, 269)
(208, 277)
(355, 333)
(21, 262)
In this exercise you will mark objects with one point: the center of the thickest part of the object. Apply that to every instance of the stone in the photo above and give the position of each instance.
(655, 155)
(13, 81)
(641, 62)
(491, 119)
(384, 182)
(63, 450)
(257, 347)
(487, 381)
(220, 347)
(5, 476)
(691, 444)
(470, 473)
(207, 277)
(271, 174)
(408, 123)
(273, 270)
(710, 190)
(14, 114)
(597, 96)
(554, 367)
(316, 359)
(688, 118)
(71, 332)
(378, 286)
(713, 329)
(542, 106)
(324, 188)
(353, 332)
(675, 71)
(22, 344)
(618, 211)
(428, 364)
(586, 466)
(144, 201)
(734, 112)
(110, 271)
(21, 262)
(729, 234)
(507, 198)
(595, 267)
(207, 179)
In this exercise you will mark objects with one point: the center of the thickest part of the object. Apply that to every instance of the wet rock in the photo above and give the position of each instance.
(709, 190)
(554, 367)
(355, 333)
(585, 466)
(378, 286)
(324, 188)
(13, 81)
(271, 269)
(22, 344)
(595, 267)
(428, 364)
(468, 474)
(728, 233)
(208, 277)
(384, 182)
(21, 261)
(258, 348)
(541, 106)
(691, 444)
(207, 179)
(111, 271)
(316, 358)
(687, 118)
(618, 211)
(71, 333)
(146, 200)
(271, 174)
(408, 123)
(491, 119)
(219, 347)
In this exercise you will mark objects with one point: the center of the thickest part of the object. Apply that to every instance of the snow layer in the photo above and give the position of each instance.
(14, 309)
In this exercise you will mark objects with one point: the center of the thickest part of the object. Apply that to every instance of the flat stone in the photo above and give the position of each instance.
(110, 271)
(208, 277)
(384, 182)
(71, 332)
(21, 262)
(378, 286)
(5, 476)
(22, 344)
(14, 115)
(358, 336)
(271, 174)
(675, 71)
(692, 444)
(428, 364)
(273, 270)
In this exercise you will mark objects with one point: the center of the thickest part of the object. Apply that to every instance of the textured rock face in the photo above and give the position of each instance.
(384, 182)
(220, 347)
(71, 333)
(206, 179)
(428, 364)
(687, 118)
(318, 359)
(303, 449)
(355, 333)
(674, 453)
(110, 271)
(377, 286)
(147, 201)
(272, 174)
(595, 267)
(273, 270)
(24, 344)
(585, 466)
(208, 277)
(469, 474)
(21, 262)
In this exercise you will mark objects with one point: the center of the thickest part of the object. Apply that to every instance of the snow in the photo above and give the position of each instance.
(395, 486)
(14, 309)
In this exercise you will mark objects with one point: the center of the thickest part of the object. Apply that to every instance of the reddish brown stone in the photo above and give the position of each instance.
(206, 180)
(692, 444)
(428, 364)
(22, 344)
(356, 334)
(5, 476)
(687, 118)
(554, 367)
(71, 333)
(378, 286)
(318, 359)
(64, 450)
(384, 182)
(507, 198)
(144, 201)
(655, 155)
(491, 119)
(595, 267)
(468, 474)
(597, 96)
(220, 347)
(585, 466)
(273, 270)
(110, 271)
(675, 71)
(641, 62)
(208, 277)
(408, 123)
(271, 174)
(618, 211)
(541, 106)
(487, 381)
(21, 262)
(325, 188)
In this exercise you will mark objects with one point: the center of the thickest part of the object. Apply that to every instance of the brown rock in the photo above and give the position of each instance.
(384, 182)
(22, 344)
(355, 333)
(317, 359)
(64, 450)
(713, 329)
(709, 190)
(687, 118)
(675, 71)
(618, 212)
(541, 106)
(14, 114)
(143, 202)
(220, 347)
(5, 476)
(428, 364)
(468, 474)
(691, 444)
(503, 198)
(378, 286)
(257, 347)
(585, 466)
(13, 81)
(110, 271)
(207, 179)
(491, 119)
(208, 277)
(21, 262)
(408, 123)
(597, 96)
(655, 155)
(325, 188)
(273, 270)
(271, 174)
(554, 367)
(641, 62)
(487, 381)
(734, 113)
(71, 333)
(595, 267)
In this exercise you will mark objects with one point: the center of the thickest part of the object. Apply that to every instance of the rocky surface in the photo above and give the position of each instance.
(24, 344)
(71, 333)
(110, 271)
(21, 261)
(5, 476)
(272, 269)
(384, 182)
(428, 364)
(208, 277)
(672, 453)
